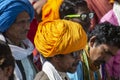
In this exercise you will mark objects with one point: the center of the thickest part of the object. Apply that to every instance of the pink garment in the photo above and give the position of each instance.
(113, 65)
(100, 8)
(116, 65)
(110, 17)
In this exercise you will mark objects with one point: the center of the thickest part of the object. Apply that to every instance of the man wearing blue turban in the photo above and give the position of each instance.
(9, 10)
(15, 18)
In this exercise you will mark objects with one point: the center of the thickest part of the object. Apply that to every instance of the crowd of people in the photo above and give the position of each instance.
(59, 40)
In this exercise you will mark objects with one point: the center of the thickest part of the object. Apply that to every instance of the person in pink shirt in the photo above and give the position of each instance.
(110, 17)
(113, 65)
(100, 7)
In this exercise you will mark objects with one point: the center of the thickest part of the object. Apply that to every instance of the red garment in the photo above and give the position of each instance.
(36, 60)
(32, 31)
(31, 35)
(100, 7)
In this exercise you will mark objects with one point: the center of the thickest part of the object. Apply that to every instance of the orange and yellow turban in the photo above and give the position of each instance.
(59, 37)
(50, 10)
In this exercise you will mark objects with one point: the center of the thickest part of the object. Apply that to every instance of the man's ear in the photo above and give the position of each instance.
(92, 41)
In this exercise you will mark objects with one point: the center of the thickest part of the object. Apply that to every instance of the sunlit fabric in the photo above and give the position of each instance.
(9, 14)
(50, 10)
(59, 37)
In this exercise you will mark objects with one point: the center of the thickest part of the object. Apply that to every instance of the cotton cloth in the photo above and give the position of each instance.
(9, 10)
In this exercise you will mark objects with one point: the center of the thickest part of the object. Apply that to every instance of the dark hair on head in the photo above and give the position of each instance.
(80, 3)
(66, 8)
(71, 7)
(106, 33)
(6, 54)
(6, 58)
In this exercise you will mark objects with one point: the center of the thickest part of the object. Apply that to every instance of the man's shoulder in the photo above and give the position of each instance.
(41, 76)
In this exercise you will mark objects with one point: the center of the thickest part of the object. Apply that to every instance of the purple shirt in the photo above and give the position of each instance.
(113, 65)
(110, 17)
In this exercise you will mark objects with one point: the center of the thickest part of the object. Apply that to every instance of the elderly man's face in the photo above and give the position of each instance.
(69, 62)
(20, 27)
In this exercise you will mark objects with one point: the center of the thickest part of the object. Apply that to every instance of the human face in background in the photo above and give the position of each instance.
(69, 62)
(101, 53)
(20, 28)
(85, 23)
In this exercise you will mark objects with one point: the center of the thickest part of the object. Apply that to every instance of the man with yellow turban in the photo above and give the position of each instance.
(60, 42)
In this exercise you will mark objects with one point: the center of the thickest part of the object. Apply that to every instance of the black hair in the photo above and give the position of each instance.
(6, 58)
(71, 7)
(106, 33)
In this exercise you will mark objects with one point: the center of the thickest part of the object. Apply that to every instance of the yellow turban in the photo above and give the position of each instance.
(112, 1)
(59, 37)
(50, 10)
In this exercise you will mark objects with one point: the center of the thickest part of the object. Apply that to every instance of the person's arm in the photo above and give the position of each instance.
(38, 8)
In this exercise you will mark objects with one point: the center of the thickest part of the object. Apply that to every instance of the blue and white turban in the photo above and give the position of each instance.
(10, 9)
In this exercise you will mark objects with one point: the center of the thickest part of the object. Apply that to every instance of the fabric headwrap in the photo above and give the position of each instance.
(59, 37)
(112, 1)
(9, 10)
(50, 10)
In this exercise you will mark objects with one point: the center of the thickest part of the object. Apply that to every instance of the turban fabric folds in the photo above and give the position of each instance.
(55, 36)
(10, 9)
(59, 37)
(50, 10)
